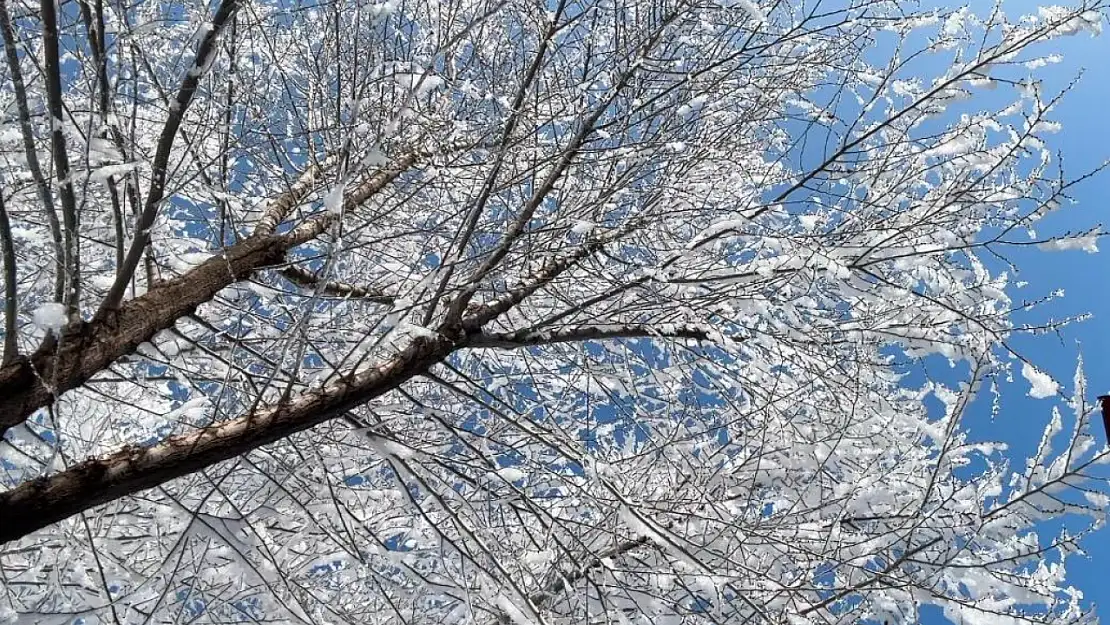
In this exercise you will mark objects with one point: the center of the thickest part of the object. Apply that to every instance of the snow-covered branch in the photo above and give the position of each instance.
(527, 338)
(612, 323)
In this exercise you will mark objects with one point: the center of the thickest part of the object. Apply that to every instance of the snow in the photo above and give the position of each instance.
(582, 227)
(385, 447)
(101, 174)
(385, 9)
(375, 158)
(693, 105)
(189, 412)
(1090, 21)
(748, 6)
(538, 558)
(639, 527)
(421, 84)
(333, 201)
(1042, 385)
(429, 84)
(188, 260)
(1087, 243)
(50, 317)
(416, 331)
(514, 613)
(511, 474)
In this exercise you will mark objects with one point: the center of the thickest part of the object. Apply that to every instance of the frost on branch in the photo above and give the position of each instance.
(599, 312)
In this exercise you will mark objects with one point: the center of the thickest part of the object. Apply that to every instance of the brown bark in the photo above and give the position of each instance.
(88, 347)
(36, 504)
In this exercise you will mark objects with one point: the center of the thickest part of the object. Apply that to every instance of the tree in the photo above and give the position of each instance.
(509, 311)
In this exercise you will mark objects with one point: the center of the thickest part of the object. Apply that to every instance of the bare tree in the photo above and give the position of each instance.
(524, 312)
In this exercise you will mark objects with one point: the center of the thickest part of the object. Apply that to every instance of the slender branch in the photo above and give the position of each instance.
(479, 204)
(517, 227)
(304, 278)
(552, 267)
(205, 54)
(560, 582)
(29, 151)
(11, 347)
(53, 71)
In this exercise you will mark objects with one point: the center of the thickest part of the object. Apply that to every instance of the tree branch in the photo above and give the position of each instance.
(205, 54)
(11, 298)
(318, 223)
(279, 208)
(304, 278)
(29, 151)
(36, 504)
(85, 348)
(529, 338)
(53, 71)
(88, 347)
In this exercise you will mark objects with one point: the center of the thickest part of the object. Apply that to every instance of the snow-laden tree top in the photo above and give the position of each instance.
(498, 311)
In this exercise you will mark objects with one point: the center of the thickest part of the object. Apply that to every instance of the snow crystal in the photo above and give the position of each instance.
(50, 317)
(1042, 385)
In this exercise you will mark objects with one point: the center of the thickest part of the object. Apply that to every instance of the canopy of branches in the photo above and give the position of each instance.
(503, 311)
